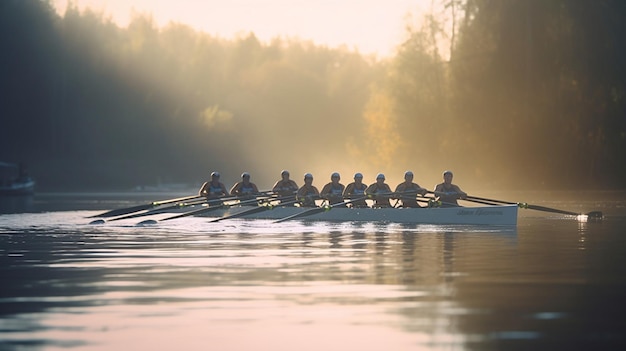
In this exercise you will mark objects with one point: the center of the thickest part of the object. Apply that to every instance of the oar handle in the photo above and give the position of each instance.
(278, 198)
(409, 192)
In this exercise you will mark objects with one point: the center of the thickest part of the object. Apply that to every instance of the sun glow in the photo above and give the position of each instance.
(369, 26)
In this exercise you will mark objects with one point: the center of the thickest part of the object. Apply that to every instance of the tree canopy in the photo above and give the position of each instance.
(529, 94)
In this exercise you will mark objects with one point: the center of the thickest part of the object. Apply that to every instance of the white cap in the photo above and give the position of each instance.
(245, 174)
(446, 172)
(380, 176)
(215, 174)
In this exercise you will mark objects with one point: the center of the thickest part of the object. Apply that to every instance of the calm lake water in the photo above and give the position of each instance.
(551, 283)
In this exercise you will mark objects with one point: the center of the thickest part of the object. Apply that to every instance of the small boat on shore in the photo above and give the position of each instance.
(14, 181)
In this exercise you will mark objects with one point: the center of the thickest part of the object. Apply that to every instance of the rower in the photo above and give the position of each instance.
(285, 186)
(308, 193)
(244, 189)
(380, 191)
(356, 190)
(447, 192)
(213, 189)
(333, 191)
(407, 191)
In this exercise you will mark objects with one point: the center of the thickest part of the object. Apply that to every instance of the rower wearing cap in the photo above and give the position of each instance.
(407, 191)
(356, 190)
(285, 186)
(244, 189)
(447, 192)
(380, 191)
(333, 191)
(213, 189)
(308, 193)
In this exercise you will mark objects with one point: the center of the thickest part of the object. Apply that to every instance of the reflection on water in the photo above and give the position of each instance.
(548, 284)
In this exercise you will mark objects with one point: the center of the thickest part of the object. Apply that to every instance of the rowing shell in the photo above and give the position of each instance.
(479, 215)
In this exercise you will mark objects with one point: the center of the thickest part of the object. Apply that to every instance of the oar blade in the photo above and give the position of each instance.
(595, 215)
(147, 222)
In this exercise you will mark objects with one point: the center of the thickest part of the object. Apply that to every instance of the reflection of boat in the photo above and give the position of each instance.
(14, 180)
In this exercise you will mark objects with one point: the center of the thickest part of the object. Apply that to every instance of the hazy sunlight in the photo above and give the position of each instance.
(371, 26)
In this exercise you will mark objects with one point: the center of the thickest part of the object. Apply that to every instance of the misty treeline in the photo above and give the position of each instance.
(519, 94)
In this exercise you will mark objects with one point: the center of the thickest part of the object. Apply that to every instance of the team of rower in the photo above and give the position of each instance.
(336, 193)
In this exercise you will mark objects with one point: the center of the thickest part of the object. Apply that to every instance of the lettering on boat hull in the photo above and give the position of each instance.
(479, 212)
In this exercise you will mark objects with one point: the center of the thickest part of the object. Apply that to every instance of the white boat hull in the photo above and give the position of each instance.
(483, 215)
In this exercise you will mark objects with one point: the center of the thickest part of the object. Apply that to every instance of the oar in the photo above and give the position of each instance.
(433, 202)
(412, 195)
(488, 202)
(593, 214)
(253, 210)
(485, 201)
(201, 211)
(315, 210)
(127, 210)
(154, 211)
